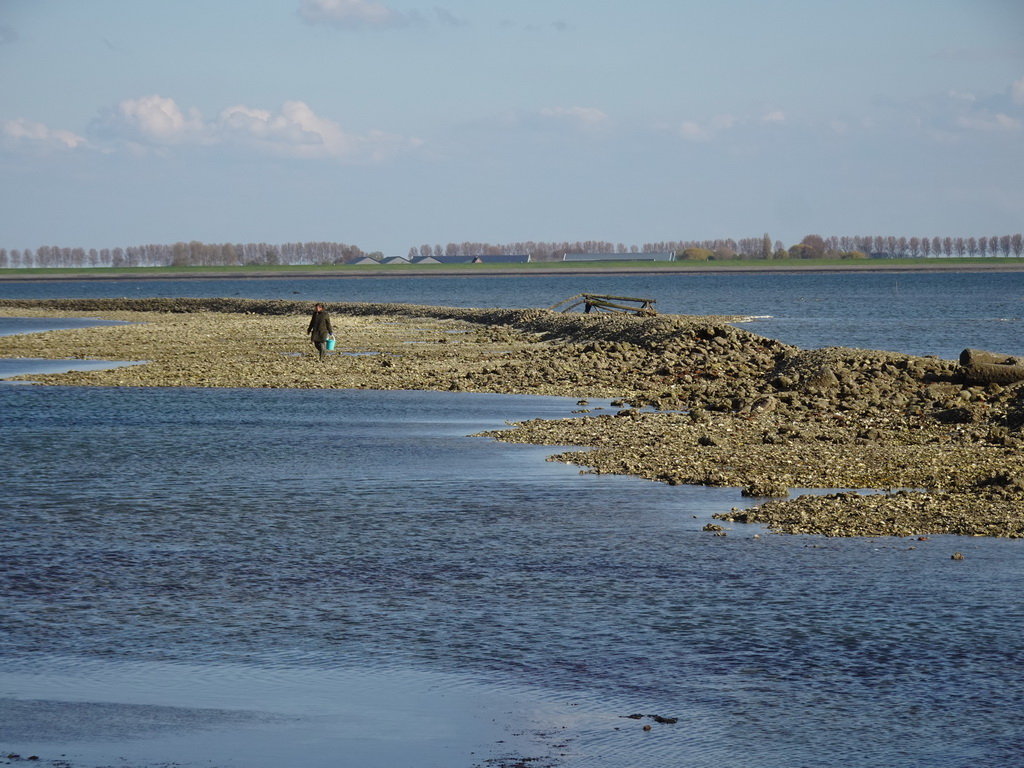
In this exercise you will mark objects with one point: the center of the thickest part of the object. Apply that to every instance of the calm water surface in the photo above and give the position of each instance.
(305, 530)
(918, 313)
(207, 547)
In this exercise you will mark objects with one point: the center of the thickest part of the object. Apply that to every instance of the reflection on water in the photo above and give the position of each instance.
(335, 530)
(265, 716)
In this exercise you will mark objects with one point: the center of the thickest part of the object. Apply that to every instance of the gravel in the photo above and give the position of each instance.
(700, 400)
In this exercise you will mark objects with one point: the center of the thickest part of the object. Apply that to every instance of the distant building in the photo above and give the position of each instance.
(667, 256)
(512, 258)
(366, 260)
(480, 259)
(395, 260)
(443, 260)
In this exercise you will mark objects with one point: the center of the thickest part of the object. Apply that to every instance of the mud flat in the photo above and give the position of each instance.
(702, 401)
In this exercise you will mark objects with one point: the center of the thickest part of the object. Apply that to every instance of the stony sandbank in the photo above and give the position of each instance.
(727, 407)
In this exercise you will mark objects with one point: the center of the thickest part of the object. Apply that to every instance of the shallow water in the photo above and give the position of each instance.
(10, 326)
(97, 711)
(916, 313)
(26, 366)
(20, 366)
(281, 536)
(259, 578)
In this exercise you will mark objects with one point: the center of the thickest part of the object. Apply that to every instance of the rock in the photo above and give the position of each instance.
(764, 404)
(822, 380)
(765, 489)
(962, 415)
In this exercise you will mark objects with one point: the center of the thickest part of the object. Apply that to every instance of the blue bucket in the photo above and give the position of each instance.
(330, 345)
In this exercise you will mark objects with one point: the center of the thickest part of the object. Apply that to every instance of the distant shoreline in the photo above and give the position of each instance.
(398, 271)
(355, 273)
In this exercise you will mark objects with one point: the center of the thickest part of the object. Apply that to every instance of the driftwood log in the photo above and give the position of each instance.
(603, 303)
(971, 357)
(981, 367)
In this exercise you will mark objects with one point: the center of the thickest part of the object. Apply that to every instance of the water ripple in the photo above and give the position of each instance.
(140, 529)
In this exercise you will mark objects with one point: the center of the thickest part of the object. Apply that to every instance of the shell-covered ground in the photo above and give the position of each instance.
(726, 406)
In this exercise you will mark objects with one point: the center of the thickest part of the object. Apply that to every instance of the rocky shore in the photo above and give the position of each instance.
(933, 446)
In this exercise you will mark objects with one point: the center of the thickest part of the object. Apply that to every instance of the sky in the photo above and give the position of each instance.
(388, 124)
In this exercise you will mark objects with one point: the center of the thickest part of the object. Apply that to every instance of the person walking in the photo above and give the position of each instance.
(320, 329)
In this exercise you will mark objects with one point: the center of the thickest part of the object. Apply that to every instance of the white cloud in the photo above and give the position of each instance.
(37, 135)
(964, 113)
(708, 130)
(585, 115)
(1017, 91)
(969, 98)
(989, 122)
(691, 131)
(353, 14)
(778, 116)
(156, 123)
(297, 131)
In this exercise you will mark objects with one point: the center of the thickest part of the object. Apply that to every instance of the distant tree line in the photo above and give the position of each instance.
(192, 254)
(553, 251)
(811, 247)
(196, 254)
(815, 246)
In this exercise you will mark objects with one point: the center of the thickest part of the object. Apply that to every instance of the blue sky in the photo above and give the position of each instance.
(388, 124)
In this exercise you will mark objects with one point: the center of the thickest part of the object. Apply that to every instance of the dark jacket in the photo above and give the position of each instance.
(319, 327)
